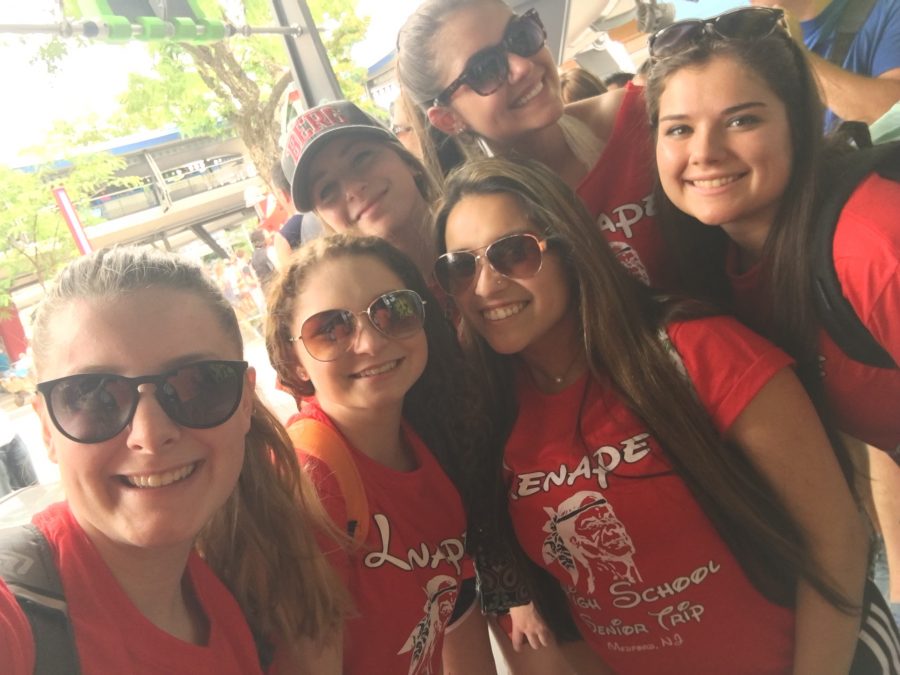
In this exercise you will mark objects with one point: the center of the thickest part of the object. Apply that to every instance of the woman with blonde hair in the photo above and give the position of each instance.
(186, 542)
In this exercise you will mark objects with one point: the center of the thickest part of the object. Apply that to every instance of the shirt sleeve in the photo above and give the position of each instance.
(16, 641)
(887, 40)
(867, 259)
(727, 364)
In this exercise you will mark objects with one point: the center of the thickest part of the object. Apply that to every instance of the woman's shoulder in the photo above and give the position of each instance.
(599, 112)
(872, 213)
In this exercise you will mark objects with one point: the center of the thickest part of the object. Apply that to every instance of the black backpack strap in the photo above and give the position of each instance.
(834, 311)
(853, 17)
(27, 567)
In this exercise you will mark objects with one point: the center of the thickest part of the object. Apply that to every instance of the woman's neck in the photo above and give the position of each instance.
(557, 359)
(750, 238)
(374, 432)
(155, 581)
(416, 240)
(548, 146)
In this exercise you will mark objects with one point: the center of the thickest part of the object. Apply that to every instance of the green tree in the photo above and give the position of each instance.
(238, 83)
(34, 237)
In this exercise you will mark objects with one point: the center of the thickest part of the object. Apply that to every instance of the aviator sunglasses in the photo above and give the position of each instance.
(487, 70)
(744, 23)
(396, 315)
(516, 256)
(95, 407)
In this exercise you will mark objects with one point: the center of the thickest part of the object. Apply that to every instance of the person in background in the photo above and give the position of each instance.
(188, 530)
(297, 229)
(744, 166)
(16, 468)
(402, 129)
(576, 84)
(617, 80)
(650, 446)
(262, 265)
(483, 75)
(865, 82)
(355, 333)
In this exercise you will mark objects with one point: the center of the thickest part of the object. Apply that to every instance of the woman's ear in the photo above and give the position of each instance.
(446, 119)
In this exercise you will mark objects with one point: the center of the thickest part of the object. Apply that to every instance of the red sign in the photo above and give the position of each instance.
(67, 209)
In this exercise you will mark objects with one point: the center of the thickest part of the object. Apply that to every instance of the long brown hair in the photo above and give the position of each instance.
(699, 250)
(261, 543)
(441, 406)
(746, 511)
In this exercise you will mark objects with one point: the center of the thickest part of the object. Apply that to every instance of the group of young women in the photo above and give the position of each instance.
(513, 389)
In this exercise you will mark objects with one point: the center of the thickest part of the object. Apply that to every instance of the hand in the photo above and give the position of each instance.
(528, 628)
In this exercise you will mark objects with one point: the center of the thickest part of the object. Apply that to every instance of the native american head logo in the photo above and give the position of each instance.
(585, 532)
(440, 593)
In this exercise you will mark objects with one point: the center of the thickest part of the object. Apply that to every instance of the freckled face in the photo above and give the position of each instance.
(193, 470)
(724, 147)
(529, 100)
(513, 315)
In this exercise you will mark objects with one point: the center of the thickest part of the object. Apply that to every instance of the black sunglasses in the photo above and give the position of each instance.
(517, 256)
(743, 23)
(487, 70)
(396, 315)
(94, 407)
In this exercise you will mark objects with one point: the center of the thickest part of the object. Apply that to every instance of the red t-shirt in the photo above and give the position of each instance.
(652, 586)
(111, 635)
(618, 192)
(866, 253)
(405, 580)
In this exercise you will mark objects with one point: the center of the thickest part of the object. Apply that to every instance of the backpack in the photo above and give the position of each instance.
(319, 440)
(834, 311)
(27, 567)
(852, 19)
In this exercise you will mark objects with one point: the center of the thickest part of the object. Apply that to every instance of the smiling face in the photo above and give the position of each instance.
(724, 147)
(513, 315)
(194, 470)
(528, 101)
(376, 371)
(362, 185)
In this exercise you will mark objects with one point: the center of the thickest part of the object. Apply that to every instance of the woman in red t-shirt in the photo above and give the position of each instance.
(165, 451)
(354, 331)
(745, 169)
(481, 75)
(663, 465)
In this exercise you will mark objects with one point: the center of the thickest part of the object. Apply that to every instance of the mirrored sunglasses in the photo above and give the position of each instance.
(744, 23)
(329, 334)
(517, 256)
(94, 407)
(487, 70)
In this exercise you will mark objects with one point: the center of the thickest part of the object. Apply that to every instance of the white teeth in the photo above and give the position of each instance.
(378, 370)
(530, 94)
(715, 182)
(499, 313)
(154, 480)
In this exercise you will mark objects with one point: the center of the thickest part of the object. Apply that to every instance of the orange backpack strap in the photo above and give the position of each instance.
(319, 440)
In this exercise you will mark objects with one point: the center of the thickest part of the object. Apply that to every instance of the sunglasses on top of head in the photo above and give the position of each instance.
(744, 23)
(487, 70)
(95, 407)
(516, 256)
(329, 334)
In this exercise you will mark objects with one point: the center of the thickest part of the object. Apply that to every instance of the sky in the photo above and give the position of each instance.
(91, 80)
